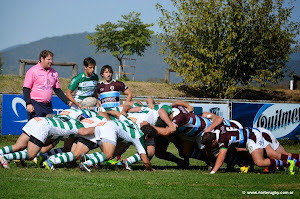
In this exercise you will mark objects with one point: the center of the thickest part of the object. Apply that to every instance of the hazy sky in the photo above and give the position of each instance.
(25, 21)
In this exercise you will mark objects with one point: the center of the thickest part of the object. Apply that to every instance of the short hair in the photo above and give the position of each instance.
(160, 123)
(45, 53)
(148, 130)
(106, 67)
(88, 61)
(208, 138)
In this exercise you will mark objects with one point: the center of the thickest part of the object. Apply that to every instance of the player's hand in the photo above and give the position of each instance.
(70, 104)
(30, 108)
(124, 113)
(144, 123)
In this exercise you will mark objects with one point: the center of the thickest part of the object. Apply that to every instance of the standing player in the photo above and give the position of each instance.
(109, 89)
(84, 84)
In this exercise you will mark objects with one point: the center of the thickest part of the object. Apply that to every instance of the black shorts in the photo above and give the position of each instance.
(91, 145)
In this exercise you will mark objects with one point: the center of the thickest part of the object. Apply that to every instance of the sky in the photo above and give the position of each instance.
(25, 21)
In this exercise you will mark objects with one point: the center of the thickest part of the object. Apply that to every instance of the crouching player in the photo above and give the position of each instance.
(106, 135)
(248, 138)
(39, 132)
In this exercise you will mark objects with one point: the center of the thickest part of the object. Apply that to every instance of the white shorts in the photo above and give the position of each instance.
(259, 144)
(39, 128)
(274, 144)
(107, 132)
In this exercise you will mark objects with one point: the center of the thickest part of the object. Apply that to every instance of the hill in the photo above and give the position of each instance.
(75, 47)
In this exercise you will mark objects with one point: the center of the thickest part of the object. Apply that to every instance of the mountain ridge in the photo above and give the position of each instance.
(75, 47)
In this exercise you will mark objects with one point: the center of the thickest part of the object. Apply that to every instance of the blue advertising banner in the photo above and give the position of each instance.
(14, 115)
(283, 120)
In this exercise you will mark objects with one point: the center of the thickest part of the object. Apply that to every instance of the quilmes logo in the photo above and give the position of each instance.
(15, 101)
(18, 100)
(281, 119)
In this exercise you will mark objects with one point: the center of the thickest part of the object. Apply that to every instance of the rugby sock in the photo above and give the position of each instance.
(53, 152)
(63, 158)
(20, 155)
(133, 159)
(6, 149)
(99, 157)
(295, 156)
(284, 157)
(89, 156)
(297, 163)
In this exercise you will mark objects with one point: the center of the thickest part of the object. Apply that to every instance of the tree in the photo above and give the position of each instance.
(1, 63)
(124, 38)
(217, 44)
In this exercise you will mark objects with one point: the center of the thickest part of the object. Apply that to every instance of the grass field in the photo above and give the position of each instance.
(167, 182)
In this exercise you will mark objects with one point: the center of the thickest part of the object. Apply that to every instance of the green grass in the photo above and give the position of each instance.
(167, 182)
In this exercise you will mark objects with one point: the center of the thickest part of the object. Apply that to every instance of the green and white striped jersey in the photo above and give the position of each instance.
(128, 127)
(84, 86)
(63, 127)
(75, 113)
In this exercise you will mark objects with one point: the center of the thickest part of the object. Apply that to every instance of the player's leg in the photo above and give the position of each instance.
(107, 153)
(20, 144)
(66, 157)
(33, 147)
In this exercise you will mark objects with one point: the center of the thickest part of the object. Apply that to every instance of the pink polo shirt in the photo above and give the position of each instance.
(41, 82)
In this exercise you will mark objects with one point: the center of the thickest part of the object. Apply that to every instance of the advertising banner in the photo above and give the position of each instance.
(283, 120)
(14, 114)
(218, 109)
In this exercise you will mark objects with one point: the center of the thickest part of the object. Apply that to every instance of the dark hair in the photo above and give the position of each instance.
(160, 123)
(149, 131)
(45, 53)
(106, 67)
(88, 61)
(207, 138)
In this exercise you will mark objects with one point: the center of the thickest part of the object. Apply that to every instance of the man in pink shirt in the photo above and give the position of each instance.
(39, 83)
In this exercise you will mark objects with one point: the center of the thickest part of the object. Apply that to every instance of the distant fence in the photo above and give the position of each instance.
(24, 62)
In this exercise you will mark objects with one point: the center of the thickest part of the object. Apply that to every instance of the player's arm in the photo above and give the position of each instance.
(150, 102)
(164, 131)
(86, 131)
(135, 109)
(26, 94)
(220, 160)
(129, 95)
(62, 96)
(105, 115)
(216, 121)
(125, 110)
(165, 117)
(146, 162)
(184, 104)
(71, 98)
